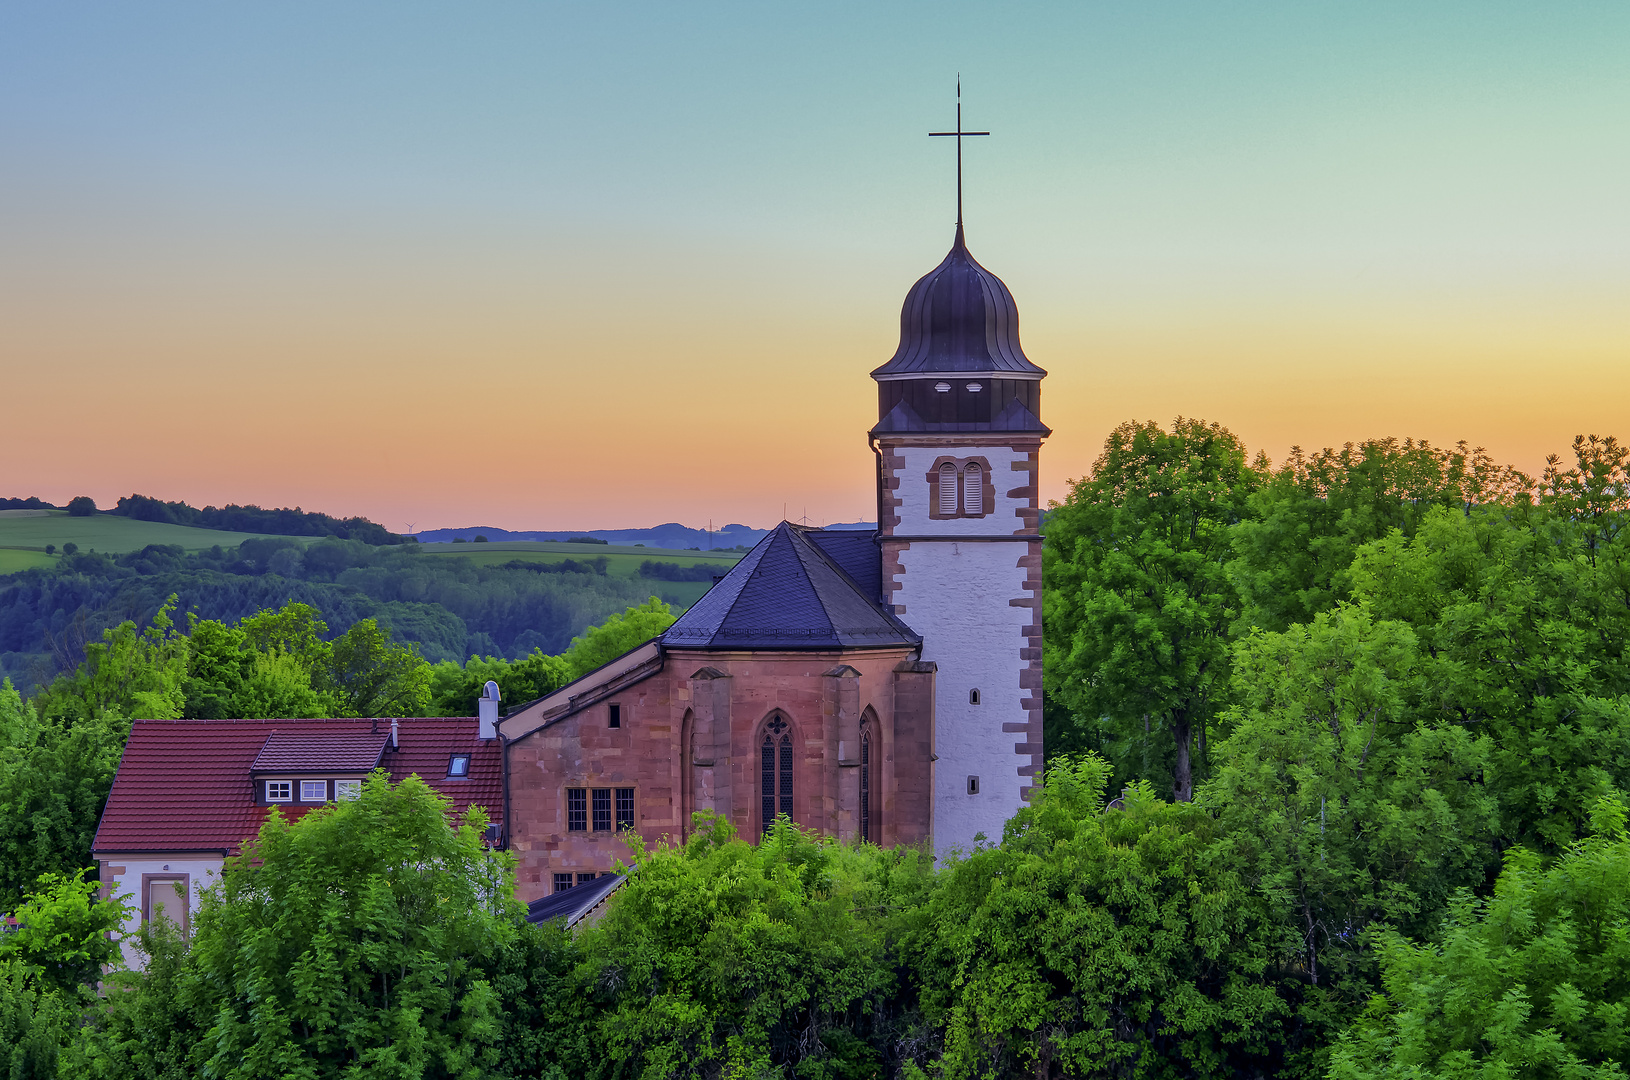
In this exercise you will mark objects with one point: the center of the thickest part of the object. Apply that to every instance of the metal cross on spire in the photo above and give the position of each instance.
(960, 134)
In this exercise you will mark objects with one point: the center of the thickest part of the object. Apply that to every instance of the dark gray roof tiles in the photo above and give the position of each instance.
(1014, 417)
(857, 554)
(572, 904)
(959, 317)
(790, 593)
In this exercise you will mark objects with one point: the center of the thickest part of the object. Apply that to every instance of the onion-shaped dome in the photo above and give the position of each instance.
(959, 319)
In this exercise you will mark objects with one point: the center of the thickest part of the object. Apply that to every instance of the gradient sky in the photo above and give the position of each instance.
(543, 265)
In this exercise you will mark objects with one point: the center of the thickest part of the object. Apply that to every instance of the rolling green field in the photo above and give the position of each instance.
(620, 561)
(15, 560)
(24, 534)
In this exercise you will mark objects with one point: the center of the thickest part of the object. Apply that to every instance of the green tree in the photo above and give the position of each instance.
(1526, 641)
(280, 686)
(1350, 813)
(129, 674)
(219, 665)
(1306, 522)
(142, 1025)
(1139, 602)
(723, 958)
(618, 634)
(358, 938)
(65, 936)
(19, 725)
(1533, 981)
(371, 675)
(454, 690)
(54, 781)
(35, 1024)
(48, 970)
(1098, 942)
(81, 506)
(295, 629)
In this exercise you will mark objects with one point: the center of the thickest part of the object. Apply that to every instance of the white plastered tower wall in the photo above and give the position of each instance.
(971, 587)
(958, 440)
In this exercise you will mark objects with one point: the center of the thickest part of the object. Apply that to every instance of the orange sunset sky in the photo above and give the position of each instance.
(541, 266)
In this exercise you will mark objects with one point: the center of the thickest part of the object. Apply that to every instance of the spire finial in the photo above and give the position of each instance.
(960, 134)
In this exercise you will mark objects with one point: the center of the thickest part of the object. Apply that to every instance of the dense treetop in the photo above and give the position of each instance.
(1338, 762)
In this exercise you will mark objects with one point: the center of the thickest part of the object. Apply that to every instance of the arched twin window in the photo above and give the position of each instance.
(775, 775)
(961, 491)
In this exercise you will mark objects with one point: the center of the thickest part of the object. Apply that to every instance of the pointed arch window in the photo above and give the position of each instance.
(973, 489)
(948, 489)
(775, 773)
(866, 787)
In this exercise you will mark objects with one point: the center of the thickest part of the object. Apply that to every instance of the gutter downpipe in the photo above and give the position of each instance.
(877, 451)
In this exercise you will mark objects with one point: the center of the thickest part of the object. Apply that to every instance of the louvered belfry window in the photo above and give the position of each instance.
(973, 489)
(775, 773)
(866, 786)
(948, 489)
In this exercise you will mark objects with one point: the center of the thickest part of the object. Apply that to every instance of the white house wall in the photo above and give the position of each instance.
(124, 876)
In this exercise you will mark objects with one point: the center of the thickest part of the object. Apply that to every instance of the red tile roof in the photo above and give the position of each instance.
(184, 785)
(320, 753)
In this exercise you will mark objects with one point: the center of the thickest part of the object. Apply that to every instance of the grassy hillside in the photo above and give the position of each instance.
(27, 532)
(14, 559)
(622, 562)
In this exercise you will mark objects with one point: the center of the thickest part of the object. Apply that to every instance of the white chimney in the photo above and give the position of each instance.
(488, 706)
(396, 734)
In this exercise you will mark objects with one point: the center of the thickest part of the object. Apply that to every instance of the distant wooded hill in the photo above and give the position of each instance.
(497, 599)
(253, 519)
(283, 521)
(672, 535)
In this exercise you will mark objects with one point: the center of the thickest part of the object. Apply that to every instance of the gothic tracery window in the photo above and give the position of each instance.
(866, 786)
(775, 779)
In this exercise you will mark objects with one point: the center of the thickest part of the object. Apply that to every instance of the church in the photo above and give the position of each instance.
(881, 686)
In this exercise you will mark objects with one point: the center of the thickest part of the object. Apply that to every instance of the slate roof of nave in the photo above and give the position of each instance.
(799, 588)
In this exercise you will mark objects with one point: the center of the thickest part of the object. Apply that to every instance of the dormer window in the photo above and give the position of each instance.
(279, 791)
(458, 765)
(314, 791)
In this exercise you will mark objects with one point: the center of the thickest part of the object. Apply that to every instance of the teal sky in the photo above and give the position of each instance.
(390, 258)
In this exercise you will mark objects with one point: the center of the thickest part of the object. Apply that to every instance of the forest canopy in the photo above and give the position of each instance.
(1338, 754)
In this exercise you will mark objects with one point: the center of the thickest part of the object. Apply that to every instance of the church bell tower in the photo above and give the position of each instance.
(958, 443)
